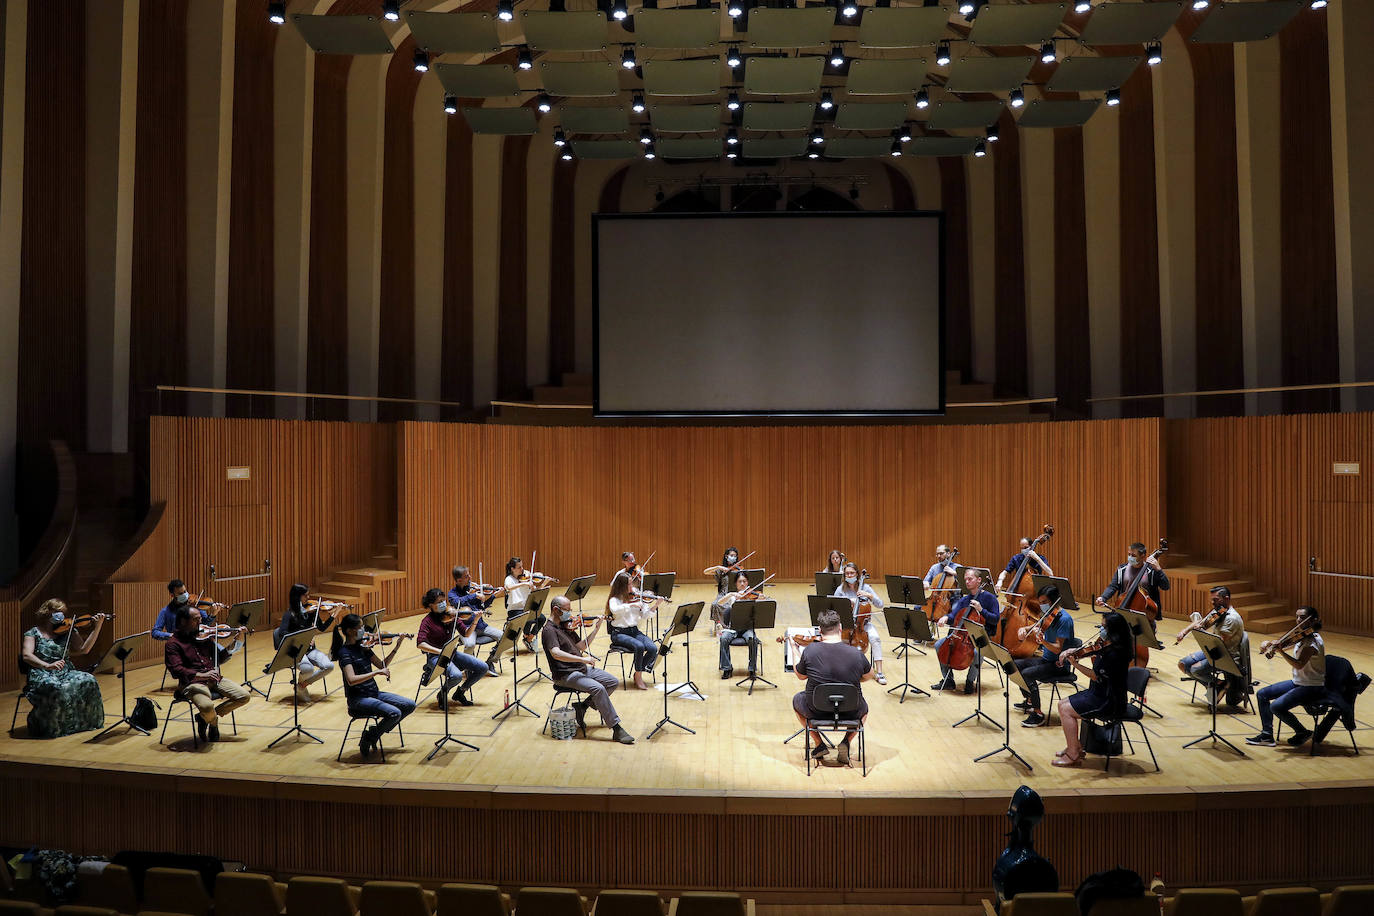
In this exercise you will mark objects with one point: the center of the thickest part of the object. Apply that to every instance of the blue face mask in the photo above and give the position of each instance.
(58, 617)
(182, 598)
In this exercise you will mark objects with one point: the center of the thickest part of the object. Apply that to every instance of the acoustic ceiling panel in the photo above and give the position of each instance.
(778, 115)
(783, 76)
(689, 148)
(1029, 24)
(587, 119)
(685, 119)
(989, 74)
(885, 77)
(517, 120)
(774, 147)
(902, 27)
(456, 33)
(682, 77)
(685, 29)
(964, 115)
(546, 31)
(1231, 22)
(583, 78)
(1060, 113)
(478, 81)
(941, 146)
(1092, 74)
(857, 147)
(343, 34)
(1117, 23)
(606, 149)
(872, 116)
(784, 28)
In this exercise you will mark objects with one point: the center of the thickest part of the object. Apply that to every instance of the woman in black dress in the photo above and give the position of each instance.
(1106, 693)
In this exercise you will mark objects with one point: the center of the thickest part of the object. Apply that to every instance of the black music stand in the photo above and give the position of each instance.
(533, 605)
(454, 645)
(756, 577)
(660, 584)
(979, 634)
(293, 646)
(755, 615)
(842, 606)
(1066, 599)
(684, 621)
(248, 614)
(906, 623)
(510, 636)
(1013, 676)
(577, 589)
(827, 582)
(119, 651)
(907, 591)
(1214, 648)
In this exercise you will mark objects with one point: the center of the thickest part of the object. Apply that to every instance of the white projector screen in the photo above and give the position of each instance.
(768, 313)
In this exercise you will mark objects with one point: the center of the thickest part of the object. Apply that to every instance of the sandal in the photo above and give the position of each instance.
(1064, 760)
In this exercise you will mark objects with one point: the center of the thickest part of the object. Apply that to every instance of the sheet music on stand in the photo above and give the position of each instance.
(979, 634)
(684, 620)
(1214, 648)
(827, 583)
(249, 614)
(118, 654)
(754, 615)
(293, 647)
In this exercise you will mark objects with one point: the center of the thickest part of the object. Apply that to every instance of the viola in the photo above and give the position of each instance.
(1021, 607)
(1137, 599)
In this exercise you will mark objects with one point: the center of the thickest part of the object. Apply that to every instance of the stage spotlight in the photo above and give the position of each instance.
(993, 133)
(813, 155)
(391, 10)
(649, 151)
(1201, 4)
(850, 9)
(1048, 54)
(451, 104)
(421, 61)
(627, 58)
(731, 154)
(837, 57)
(732, 58)
(567, 154)
(736, 9)
(922, 98)
(942, 53)
(1017, 98)
(637, 103)
(732, 137)
(560, 139)
(276, 12)
(732, 101)
(904, 133)
(817, 136)
(966, 8)
(1154, 53)
(505, 10)
(524, 59)
(619, 11)
(1082, 6)
(646, 136)
(544, 104)
(1318, 4)
(827, 101)
(1113, 98)
(980, 150)
(896, 148)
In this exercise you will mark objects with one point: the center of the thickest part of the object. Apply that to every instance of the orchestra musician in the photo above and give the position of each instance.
(1034, 563)
(167, 617)
(1111, 657)
(194, 661)
(850, 589)
(1223, 621)
(1043, 664)
(572, 666)
(834, 563)
(64, 699)
(1302, 648)
(829, 660)
(518, 586)
(361, 667)
(313, 664)
(941, 565)
(727, 635)
(1137, 564)
(728, 562)
(977, 588)
(468, 603)
(437, 627)
(626, 611)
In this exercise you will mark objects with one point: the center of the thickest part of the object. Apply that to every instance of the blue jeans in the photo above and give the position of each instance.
(1278, 699)
(947, 673)
(644, 648)
(388, 706)
(725, 638)
(469, 667)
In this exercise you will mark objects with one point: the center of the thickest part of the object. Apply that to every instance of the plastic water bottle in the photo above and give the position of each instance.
(1157, 888)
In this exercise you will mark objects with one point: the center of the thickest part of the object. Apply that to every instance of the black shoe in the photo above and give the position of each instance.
(491, 667)
(727, 673)
(1263, 739)
(580, 711)
(1023, 706)
(462, 697)
(1034, 720)
(819, 752)
(946, 684)
(624, 737)
(201, 728)
(1361, 682)
(970, 688)
(368, 743)
(1300, 738)
(213, 732)
(842, 754)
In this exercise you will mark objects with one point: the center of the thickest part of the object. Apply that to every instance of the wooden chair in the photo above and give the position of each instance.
(710, 903)
(1349, 900)
(395, 898)
(550, 901)
(473, 900)
(175, 890)
(1041, 904)
(309, 896)
(247, 894)
(1205, 901)
(629, 903)
(1285, 901)
(110, 888)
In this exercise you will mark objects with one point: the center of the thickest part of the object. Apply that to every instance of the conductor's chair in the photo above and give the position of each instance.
(568, 694)
(841, 704)
(191, 714)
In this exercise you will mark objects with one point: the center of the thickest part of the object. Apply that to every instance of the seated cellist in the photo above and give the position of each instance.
(977, 588)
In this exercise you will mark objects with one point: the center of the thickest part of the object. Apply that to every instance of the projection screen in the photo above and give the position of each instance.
(768, 313)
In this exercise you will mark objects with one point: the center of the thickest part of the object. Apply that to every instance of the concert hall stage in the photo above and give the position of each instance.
(730, 806)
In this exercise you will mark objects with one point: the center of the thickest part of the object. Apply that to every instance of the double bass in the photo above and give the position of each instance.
(1137, 599)
(938, 604)
(1021, 608)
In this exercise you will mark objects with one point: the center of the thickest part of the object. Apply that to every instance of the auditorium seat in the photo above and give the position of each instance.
(395, 898)
(75, 910)
(1041, 904)
(629, 903)
(247, 894)
(1205, 901)
(473, 900)
(22, 908)
(110, 888)
(175, 890)
(1130, 906)
(710, 903)
(1285, 901)
(307, 896)
(550, 901)
(1349, 900)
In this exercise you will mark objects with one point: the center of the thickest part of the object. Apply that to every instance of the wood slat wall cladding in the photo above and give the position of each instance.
(580, 496)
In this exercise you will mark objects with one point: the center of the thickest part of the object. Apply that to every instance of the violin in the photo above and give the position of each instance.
(1211, 617)
(370, 640)
(754, 592)
(81, 620)
(938, 605)
(1021, 606)
(1137, 599)
(1097, 645)
(1287, 640)
(218, 631)
(323, 609)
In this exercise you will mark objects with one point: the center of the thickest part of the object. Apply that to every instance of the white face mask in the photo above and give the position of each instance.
(1133, 561)
(851, 579)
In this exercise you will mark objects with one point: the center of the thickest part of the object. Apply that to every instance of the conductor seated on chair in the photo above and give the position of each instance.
(195, 662)
(572, 667)
(829, 660)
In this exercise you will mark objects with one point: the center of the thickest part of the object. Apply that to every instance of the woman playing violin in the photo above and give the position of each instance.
(727, 635)
(626, 611)
(1303, 649)
(518, 587)
(729, 563)
(299, 615)
(861, 596)
(1112, 654)
(64, 700)
(361, 667)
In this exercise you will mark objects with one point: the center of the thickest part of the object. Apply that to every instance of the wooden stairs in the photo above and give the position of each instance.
(1192, 579)
(357, 584)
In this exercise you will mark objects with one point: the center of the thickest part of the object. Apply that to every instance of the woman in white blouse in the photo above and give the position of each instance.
(850, 589)
(518, 588)
(625, 612)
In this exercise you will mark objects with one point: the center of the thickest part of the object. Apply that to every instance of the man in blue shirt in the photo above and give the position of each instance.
(470, 605)
(1034, 563)
(986, 614)
(166, 618)
(1044, 664)
(941, 564)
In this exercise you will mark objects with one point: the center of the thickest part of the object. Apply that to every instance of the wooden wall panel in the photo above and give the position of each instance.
(250, 351)
(563, 272)
(611, 191)
(903, 196)
(1010, 278)
(958, 309)
(1142, 354)
(511, 315)
(1073, 363)
(455, 380)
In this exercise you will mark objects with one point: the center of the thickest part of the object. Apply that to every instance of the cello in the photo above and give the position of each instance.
(1021, 608)
(863, 609)
(1137, 599)
(956, 652)
(938, 605)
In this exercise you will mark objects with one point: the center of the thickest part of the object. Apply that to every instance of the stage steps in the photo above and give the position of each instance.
(354, 584)
(1192, 580)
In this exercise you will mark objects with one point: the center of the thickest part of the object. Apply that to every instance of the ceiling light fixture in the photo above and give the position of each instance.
(276, 12)
(942, 53)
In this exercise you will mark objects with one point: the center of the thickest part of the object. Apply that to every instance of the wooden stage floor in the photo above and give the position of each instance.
(738, 746)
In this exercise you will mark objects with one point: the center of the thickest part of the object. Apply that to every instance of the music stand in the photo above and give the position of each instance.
(533, 605)
(979, 634)
(755, 615)
(451, 647)
(293, 647)
(904, 623)
(1066, 599)
(1214, 648)
(372, 620)
(907, 591)
(577, 589)
(248, 614)
(660, 584)
(119, 651)
(510, 635)
(827, 582)
(1142, 628)
(1013, 676)
(756, 577)
(842, 606)
(685, 619)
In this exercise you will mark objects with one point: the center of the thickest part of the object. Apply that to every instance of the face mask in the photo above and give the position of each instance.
(731, 558)
(851, 579)
(58, 617)
(183, 598)
(1133, 561)
(441, 607)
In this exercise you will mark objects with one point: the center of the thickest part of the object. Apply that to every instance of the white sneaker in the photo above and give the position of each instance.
(882, 680)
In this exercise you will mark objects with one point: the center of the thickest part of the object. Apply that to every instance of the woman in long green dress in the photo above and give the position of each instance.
(64, 700)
